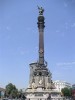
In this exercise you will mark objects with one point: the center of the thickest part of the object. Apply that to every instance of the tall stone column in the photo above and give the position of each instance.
(41, 35)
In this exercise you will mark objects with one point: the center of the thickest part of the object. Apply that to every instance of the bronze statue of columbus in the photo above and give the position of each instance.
(41, 10)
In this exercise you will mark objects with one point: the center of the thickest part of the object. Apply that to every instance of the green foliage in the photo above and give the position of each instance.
(11, 91)
(67, 91)
(20, 93)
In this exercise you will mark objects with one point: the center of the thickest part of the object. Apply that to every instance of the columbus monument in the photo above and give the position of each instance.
(40, 82)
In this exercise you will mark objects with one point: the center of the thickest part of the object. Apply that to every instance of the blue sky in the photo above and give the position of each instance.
(19, 39)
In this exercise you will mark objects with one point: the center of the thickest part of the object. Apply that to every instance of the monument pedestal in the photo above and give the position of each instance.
(42, 94)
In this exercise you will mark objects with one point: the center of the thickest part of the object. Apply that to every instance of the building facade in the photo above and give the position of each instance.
(73, 91)
(59, 85)
(2, 91)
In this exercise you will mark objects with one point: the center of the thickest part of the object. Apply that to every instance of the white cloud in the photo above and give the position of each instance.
(55, 73)
(62, 34)
(22, 52)
(65, 4)
(58, 75)
(28, 29)
(8, 37)
(8, 28)
(73, 25)
(66, 25)
(65, 64)
(0, 28)
(57, 31)
(36, 47)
